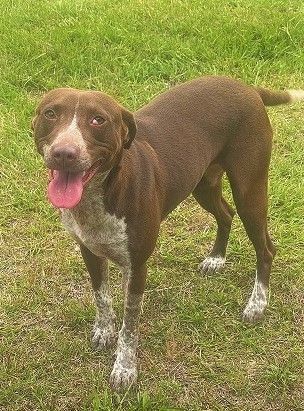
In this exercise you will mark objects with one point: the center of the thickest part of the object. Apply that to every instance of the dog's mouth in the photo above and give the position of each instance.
(65, 187)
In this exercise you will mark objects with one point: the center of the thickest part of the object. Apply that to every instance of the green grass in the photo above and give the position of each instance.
(195, 352)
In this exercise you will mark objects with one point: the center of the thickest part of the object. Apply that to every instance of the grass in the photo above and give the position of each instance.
(195, 352)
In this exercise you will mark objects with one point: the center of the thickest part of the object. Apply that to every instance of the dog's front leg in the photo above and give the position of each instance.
(124, 372)
(103, 333)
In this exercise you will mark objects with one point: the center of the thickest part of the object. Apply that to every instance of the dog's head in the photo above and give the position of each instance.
(79, 133)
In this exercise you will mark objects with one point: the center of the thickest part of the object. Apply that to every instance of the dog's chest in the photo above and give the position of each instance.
(103, 234)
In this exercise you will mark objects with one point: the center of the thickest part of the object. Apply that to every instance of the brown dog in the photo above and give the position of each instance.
(115, 176)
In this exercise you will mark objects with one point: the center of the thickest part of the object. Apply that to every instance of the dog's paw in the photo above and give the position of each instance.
(254, 311)
(257, 303)
(212, 264)
(123, 376)
(103, 336)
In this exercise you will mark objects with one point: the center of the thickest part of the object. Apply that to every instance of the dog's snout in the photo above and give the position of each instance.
(65, 154)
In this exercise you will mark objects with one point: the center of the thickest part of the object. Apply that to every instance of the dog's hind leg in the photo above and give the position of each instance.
(103, 333)
(248, 175)
(208, 194)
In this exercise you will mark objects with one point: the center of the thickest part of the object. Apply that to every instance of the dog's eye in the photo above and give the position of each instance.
(97, 121)
(50, 114)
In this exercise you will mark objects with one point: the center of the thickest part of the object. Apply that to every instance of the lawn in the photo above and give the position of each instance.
(195, 352)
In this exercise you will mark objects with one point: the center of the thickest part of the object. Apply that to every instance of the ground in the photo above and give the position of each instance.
(195, 352)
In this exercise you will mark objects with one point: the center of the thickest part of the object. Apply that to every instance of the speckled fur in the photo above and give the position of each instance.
(105, 235)
(102, 233)
(124, 372)
(212, 264)
(257, 303)
(103, 332)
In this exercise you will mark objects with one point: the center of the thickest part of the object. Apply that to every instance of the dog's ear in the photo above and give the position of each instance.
(33, 123)
(129, 121)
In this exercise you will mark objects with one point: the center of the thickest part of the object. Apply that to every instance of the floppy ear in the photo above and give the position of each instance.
(33, 123)
(130, 124)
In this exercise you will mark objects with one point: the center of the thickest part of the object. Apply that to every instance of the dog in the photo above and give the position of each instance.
(115, 176)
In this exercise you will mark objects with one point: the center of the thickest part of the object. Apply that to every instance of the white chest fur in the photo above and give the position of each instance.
(103, 234)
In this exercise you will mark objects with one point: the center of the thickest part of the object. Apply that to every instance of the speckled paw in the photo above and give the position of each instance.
(123, 377)
(253, 312)
(212, 264)
(103, 337)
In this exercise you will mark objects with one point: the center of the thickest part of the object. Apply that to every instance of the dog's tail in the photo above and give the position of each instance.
(274, 98)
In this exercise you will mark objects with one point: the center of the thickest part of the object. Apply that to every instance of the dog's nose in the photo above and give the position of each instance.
(66, 154)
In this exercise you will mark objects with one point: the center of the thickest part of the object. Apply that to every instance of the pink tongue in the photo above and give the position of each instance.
(65, 190)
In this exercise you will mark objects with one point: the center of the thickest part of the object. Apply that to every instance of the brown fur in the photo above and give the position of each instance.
(182, 142)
